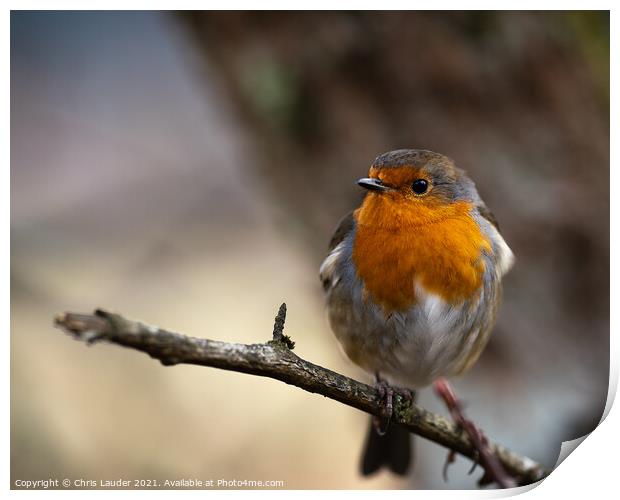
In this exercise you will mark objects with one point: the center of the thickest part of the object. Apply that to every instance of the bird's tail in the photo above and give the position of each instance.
(392, 450)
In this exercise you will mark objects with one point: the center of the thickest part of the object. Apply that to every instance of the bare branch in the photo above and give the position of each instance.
(275, 359)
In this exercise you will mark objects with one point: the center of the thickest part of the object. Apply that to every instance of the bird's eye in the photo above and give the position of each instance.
(419, 186)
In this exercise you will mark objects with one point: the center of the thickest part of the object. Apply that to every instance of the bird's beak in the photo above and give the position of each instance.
(373, 184)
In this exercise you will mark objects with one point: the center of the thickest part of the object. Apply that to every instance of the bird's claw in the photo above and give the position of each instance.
(386, 397)
(450, 458)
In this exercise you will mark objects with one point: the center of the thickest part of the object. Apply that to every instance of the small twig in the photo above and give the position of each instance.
(278, 328)
(275, 359)
(278, 325)
(492, 466)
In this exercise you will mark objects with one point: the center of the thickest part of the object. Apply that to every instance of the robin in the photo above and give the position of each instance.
(413, 282)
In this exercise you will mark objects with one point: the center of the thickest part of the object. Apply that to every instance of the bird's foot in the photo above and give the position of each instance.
(387, 395)
(406, 394)
(482, 454)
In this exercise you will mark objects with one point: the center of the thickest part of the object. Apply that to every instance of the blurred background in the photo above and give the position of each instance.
(188, 170)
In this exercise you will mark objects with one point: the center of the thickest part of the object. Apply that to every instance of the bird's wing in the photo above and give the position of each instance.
(504, 256)
(488, 215)
(344, 227)
(328, 267)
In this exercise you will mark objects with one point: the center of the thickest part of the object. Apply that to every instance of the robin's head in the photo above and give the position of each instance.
(414, 187)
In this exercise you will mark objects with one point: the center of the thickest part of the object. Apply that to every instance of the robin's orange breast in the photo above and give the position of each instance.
(436, 245)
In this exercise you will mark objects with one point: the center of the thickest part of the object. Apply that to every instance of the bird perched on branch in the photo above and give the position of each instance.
(413, 282)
